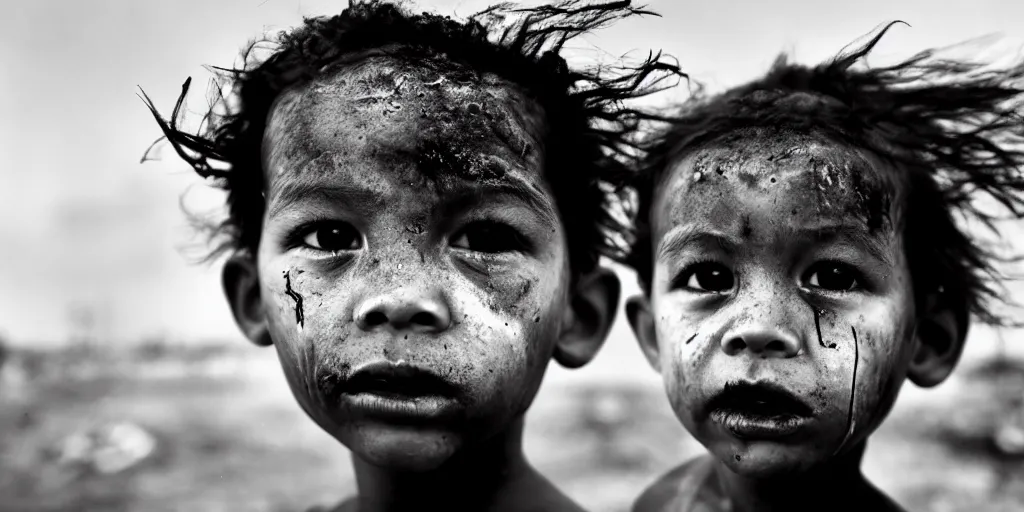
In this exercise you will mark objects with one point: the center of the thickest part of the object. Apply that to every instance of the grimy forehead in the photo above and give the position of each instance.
(451, 118)
(834, 177)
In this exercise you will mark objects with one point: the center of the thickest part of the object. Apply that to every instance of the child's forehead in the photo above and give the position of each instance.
(448, 118)
(820, 177)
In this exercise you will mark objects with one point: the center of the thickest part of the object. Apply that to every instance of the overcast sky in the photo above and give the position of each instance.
(82, 223)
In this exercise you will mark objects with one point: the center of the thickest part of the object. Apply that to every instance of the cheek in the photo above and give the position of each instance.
(682, 350)
(859, 379)
(886, 349)
(505, 351)
(528, 306)
(305, 334)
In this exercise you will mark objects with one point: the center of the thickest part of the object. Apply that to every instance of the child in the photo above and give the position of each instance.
(416, 216)
(799, 258)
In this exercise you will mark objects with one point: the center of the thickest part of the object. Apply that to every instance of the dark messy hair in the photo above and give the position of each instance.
(589, 129)
(952, 130)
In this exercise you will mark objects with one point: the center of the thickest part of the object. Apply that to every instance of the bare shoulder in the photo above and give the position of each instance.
(679, 485)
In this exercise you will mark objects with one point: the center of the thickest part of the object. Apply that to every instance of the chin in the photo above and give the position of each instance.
(405, 448)
(765, 460)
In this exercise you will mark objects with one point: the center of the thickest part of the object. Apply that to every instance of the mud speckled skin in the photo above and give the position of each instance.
(759, 192)
(408, 155)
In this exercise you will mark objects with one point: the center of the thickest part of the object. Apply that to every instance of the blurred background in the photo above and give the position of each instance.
(124, 384)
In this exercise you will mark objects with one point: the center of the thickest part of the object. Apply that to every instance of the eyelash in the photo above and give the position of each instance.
(516, 243)
(296, 238)
(859, 279)
(859, 282)
(679, 282)
(513, 242)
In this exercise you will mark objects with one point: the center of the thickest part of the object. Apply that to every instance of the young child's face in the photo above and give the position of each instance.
(781, 312)
(407, 211)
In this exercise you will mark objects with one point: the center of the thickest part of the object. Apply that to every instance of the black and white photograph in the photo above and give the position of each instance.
(519, 256)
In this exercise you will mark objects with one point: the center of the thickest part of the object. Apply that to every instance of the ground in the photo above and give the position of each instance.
(230, 437)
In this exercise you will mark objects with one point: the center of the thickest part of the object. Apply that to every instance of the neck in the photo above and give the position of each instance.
(838, 483)
(478, 478)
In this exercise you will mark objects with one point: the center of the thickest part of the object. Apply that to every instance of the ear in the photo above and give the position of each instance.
(641, 319)
(592, 310)
(241, 283)
(939, 338)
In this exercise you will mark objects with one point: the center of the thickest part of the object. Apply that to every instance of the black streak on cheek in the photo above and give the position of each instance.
(691, 338)
(817, 326)
(856, 360)
(299, 318)
(747, 228)
(853, 389)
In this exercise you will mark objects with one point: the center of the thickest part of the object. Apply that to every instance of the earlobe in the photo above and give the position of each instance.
(593, 305)
(240, 279)
(641, 320)
(939, 338)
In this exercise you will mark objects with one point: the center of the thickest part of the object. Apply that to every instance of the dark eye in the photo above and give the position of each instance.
(832, 275)
(706, 277)
(489, 237)
(334, 237)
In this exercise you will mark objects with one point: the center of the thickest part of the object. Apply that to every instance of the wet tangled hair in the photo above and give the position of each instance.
(589, 128)
(953, 130)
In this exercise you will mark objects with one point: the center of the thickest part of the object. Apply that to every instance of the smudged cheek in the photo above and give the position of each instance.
(857, 381)
(885, 353)
(684, 342)
(506, 351)
(317, 346)
(828, 383)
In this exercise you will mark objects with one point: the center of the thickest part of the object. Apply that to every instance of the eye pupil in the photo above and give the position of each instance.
(835, 277)
(337, 238)
(714, 279)
(708, 277)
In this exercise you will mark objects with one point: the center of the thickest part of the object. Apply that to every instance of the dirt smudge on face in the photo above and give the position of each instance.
(432, 121)
(748, 229)
(843, 181)
(851, 423)
(817, 327)
(507, 295)
(299, 314)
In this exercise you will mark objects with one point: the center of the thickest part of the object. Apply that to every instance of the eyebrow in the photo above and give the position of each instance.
(294, 192)
(465, 194)
(855, 234)
(678, 239)
(458, 195)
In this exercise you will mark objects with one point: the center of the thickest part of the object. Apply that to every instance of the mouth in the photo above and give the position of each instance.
(399, 381)
(759, 410)
(399, 391)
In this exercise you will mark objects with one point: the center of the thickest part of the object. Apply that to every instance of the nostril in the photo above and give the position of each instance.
(375, 318)
(423, 318)
(775, 346)
(735, 346)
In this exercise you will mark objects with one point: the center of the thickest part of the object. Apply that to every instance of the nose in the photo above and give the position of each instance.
(761, 340)
(404, 310)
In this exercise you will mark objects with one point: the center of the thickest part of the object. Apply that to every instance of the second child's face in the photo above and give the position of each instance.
(783, 318)
(412, 265)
